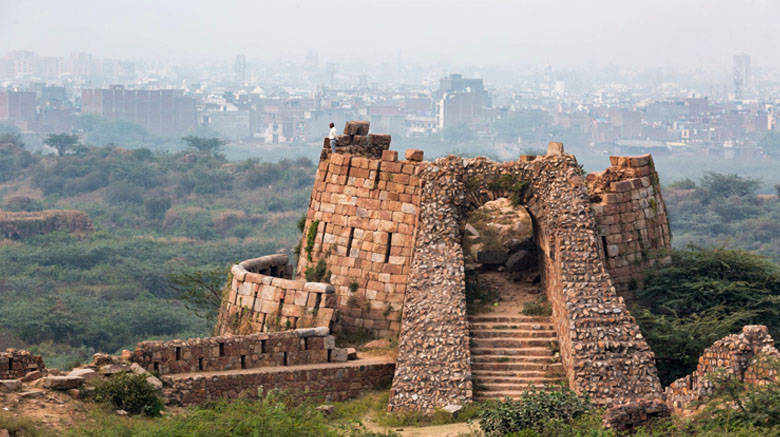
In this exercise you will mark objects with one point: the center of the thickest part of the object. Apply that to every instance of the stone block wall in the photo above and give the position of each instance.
(289, 348)
(738, 354)
(321, 383)
(357, 141)
(602, 348)
(365, 212)
(16, 363)
(263, 298)
(631, 217)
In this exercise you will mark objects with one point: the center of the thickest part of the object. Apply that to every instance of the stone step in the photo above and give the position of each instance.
(517, 359)
(479, 326)
(514, 395)
(498, 367)
(486, 318)
(529, 351)
(492, 380)
(509, 374)
(513, 334)
(488, 389)
(511, 342)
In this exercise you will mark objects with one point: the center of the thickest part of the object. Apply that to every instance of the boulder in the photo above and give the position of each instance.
(32, 394)
(32, 376)
(522, 260)
(452, 410)
(62, 382)
(326, 410)
(137, 369)
(112, 369)
(492, 257)
(74, 393)
(100, 359)
(8, 385)
(88, 375)
(154, 382)
(377, 344)
(515, 245)
(351, 353)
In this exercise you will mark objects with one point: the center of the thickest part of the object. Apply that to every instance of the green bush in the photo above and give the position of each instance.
(532, 411)
(118, 193)
(130, 393)
(538, 307)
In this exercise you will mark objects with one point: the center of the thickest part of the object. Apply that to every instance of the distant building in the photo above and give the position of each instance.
(17, 106)
(741, 75)
(157, 111)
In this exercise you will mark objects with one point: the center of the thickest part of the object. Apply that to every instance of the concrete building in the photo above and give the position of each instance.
(158, 111)
(741, 76)
(17, 106)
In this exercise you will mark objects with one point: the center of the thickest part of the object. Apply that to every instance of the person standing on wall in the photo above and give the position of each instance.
(332, 137)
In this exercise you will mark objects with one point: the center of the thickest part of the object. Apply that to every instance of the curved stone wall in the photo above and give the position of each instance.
(263, 298)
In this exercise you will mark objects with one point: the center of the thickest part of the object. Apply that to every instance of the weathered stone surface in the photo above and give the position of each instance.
(154, 382)
(414, 155)
(62, 382)
(452, 410)
(32, 376)
(17, 363)
(8, 385)
(377, 344)
(351, 353)
(357, 127)
(88, 375)
(338, 355)
(326, 410)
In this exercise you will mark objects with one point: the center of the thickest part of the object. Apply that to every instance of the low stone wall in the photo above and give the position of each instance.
(263, 298)
(737, 354)
(289, 348)
(16, 363)
(631, 218)
(22, 225)
(327, 382)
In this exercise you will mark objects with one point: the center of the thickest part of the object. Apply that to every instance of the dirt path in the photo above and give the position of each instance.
(450, 430)
(512, 296)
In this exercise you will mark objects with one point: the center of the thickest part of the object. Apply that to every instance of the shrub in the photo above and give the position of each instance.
(532, 411)
(130, 393)
(318, 272)
(156, 207)
(539, 307)
(121, 192)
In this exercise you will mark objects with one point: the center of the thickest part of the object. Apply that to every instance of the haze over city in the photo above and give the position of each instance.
(568, 34)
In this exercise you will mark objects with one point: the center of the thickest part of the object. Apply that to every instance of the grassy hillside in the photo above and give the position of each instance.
(155, 214)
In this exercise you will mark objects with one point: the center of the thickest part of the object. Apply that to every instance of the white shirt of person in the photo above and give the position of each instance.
(333, 134)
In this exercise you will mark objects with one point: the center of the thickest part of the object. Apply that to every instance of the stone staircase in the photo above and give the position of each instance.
(511, 354)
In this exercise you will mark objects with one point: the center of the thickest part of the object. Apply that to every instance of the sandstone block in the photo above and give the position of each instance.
(89, 375)
(32, 376)
(154, 382)
(62, 382)
(555, 148)
(414, 155)
(379, 139)
(356, 127)
(389, 155)
(360, 140)
(351, 353)
(338, 355)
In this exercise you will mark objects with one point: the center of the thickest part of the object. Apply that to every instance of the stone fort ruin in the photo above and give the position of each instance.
(382, 250)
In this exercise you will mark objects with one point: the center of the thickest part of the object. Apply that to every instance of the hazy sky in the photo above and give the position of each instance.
(631, 33)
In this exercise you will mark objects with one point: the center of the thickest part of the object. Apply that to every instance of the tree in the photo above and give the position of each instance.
(13, 138)
(61, 142)
(770, 144)
(201, 291)
(207, 145)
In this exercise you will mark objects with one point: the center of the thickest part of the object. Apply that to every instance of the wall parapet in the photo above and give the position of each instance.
(263, 298)
(16, 363)
(288, 348)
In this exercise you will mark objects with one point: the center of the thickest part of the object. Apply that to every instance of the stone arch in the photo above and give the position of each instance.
(602, 350)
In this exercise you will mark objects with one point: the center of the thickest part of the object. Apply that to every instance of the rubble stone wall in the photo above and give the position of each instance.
(321, 383)
(263, 298)
(16, 363)
(631, 218)
(602, 348)
(364, 210)
(289, 348)
(737, 354)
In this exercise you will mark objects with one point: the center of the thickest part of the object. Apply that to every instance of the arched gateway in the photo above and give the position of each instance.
(383, 238)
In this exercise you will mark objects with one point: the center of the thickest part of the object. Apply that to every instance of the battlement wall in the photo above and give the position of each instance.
(631, 218)
(360, 227)
(263, 298)
(233, 352)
